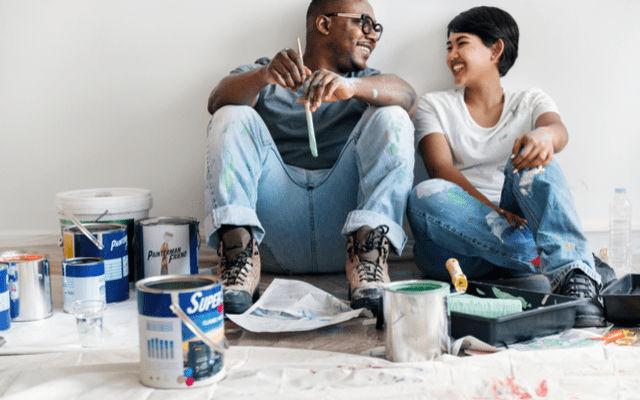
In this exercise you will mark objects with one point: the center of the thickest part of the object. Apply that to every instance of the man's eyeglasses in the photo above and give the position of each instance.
(367, 24)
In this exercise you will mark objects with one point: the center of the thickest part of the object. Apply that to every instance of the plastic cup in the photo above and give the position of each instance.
(88, 315)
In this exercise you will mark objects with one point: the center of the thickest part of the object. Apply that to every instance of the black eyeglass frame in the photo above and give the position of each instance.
(365, 21)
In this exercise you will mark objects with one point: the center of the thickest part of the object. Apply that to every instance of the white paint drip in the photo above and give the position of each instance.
(526, 180)
(497, 223)
(431, 187)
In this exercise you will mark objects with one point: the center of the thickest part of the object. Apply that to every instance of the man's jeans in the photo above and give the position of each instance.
(296, 214)
(448, 222)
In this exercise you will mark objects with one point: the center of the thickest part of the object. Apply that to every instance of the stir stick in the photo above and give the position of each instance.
(312, 135)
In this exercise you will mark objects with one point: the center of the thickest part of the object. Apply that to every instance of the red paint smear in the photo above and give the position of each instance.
(510, 384)
(536, 261)
(542, 389)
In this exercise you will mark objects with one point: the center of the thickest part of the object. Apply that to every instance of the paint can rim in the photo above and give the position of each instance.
(153, 221)
(147, 285)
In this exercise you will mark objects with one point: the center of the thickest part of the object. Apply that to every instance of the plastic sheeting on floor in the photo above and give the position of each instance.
(276, 373)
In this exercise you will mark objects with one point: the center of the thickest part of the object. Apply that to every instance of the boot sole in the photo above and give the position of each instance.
(240, 302)
(373, 304)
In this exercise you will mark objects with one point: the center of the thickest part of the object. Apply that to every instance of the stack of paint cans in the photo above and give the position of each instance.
(112, 260)
(28, 284)
(166, 246)
(106, 205)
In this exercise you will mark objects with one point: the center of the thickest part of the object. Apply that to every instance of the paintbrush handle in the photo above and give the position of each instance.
(312, 134)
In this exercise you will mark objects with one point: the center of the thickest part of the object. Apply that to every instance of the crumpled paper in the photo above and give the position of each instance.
(294, 306)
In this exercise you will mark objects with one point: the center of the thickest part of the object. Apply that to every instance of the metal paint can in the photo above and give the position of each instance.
(415, 318)
(5, 312)
(29, 286)
(181, 327)
(82, 279)
(113, 238)
(166, 246)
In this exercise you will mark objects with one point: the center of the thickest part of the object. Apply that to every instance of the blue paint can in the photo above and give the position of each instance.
(5, 312)
(82, 279)
(166, 246)
(113, 238)
(181, 326)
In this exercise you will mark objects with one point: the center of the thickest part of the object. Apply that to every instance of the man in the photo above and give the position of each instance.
(264, 187)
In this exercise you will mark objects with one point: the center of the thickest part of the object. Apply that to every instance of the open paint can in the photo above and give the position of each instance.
(415, 319)
(29, 285)
(181, 326)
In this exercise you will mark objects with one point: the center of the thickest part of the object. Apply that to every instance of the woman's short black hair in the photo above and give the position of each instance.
(490, 24)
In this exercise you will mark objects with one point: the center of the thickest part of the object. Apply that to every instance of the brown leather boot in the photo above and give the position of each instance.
(367, 268)
(238, 270)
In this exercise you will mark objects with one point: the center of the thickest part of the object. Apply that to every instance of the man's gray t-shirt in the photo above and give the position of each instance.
(286, 120)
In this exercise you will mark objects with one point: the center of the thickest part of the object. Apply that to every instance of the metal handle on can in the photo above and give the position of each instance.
(82, 229)
(175, 307)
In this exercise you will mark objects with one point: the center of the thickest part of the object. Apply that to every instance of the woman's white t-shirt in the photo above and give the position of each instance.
(480, 153)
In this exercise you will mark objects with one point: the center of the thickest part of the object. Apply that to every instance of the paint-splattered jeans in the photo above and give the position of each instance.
(448, 222)
(298, 215)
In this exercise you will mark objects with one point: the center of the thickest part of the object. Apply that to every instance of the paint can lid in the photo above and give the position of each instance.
(112, 200)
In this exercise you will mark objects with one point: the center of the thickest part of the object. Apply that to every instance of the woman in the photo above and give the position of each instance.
(497, 200)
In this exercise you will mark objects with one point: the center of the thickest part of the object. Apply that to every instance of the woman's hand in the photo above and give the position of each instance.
(514, 220)
(532, 149)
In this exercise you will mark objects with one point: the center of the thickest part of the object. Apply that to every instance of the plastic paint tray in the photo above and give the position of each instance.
(542, 315)
(622, 300)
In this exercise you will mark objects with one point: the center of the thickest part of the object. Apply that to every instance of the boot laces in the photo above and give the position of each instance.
(579, 285)
(367, 270)
(236, 270)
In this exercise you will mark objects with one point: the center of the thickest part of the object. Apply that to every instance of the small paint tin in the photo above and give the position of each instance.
(181, 327)
(166, 246)
(113, 238)
(82, 279)
(5, 312)
(29, 285)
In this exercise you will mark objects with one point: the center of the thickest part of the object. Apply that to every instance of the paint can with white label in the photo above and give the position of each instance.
(181, 327)
(113, 238)
(166, 246)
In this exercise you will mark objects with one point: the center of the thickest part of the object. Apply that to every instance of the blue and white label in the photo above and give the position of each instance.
(4, 301)
(87, 288)
(168, 347)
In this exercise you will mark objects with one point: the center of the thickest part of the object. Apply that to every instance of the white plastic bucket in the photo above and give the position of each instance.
(107, 205)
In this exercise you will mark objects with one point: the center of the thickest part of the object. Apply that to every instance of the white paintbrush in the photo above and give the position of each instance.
(312, 134)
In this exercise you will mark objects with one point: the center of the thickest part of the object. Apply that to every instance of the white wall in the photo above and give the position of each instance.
(113, 93)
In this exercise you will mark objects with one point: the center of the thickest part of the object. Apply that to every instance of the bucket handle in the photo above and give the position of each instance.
(82, 228)
(175, 307)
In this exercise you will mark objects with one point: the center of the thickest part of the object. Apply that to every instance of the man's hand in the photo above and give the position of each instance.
(325, 86)
(287, 70)
(532, 149)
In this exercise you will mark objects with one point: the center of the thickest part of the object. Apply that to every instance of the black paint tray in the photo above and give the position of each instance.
(622, 300)
(544, 314)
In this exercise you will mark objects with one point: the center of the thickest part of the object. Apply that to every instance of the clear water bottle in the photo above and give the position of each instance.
(620, 232)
